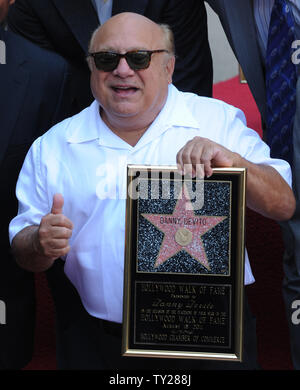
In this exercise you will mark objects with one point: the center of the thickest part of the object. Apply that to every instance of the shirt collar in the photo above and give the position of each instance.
(175, 113)
(84, 126)
(89, 125)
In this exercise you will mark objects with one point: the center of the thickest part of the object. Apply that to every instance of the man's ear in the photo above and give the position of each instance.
(90, 61)
(170, 65)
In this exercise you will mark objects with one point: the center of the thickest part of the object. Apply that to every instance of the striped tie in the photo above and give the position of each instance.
(281, 80)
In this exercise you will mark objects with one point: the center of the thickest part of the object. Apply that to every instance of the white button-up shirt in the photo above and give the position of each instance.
(82, 159)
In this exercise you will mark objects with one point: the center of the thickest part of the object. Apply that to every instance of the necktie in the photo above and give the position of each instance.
(281, 80)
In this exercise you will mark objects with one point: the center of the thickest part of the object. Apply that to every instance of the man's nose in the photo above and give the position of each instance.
(123, 69)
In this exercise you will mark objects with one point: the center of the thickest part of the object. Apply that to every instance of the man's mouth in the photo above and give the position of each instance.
(124, 90)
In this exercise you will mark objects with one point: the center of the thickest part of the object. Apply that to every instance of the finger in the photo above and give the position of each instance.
(48, 237)
(198, 171)
(220, 157)
(59, 220)
(197, 165)
(57, 204)
(179, 161)
(206, 160)
(60, 233)
(55, 253)
(57, 244)
(195, 157)
(184, 159)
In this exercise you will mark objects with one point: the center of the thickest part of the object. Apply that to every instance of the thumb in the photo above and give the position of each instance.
(57, 205)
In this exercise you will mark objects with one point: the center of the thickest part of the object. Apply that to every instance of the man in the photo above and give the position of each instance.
(66, 26)
(34, 83)
(138, 116)
(246, 25)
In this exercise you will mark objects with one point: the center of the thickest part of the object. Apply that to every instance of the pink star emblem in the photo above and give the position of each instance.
(183, 230)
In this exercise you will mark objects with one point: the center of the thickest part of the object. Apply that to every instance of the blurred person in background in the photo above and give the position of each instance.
(34, 95)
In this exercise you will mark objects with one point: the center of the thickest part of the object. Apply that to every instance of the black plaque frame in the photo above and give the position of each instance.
(184, 314)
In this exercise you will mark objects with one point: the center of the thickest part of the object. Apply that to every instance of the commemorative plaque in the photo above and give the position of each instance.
(184, 264)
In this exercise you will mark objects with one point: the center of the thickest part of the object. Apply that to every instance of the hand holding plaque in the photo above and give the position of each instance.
(200, 155)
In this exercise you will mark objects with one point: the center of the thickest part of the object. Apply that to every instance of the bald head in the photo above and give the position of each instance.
(128, 23)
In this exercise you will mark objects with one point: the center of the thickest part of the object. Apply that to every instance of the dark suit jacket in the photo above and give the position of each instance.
(33, 85)
(238, 21)
(65, 26)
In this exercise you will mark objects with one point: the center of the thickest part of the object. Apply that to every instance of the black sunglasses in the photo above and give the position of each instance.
(109, 60)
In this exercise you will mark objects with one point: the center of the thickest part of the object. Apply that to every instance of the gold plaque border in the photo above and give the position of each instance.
(239, 280)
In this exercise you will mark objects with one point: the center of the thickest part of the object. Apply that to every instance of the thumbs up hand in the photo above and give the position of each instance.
(54, 231)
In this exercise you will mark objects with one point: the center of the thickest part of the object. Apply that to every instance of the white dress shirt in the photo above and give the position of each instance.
(85, 161)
